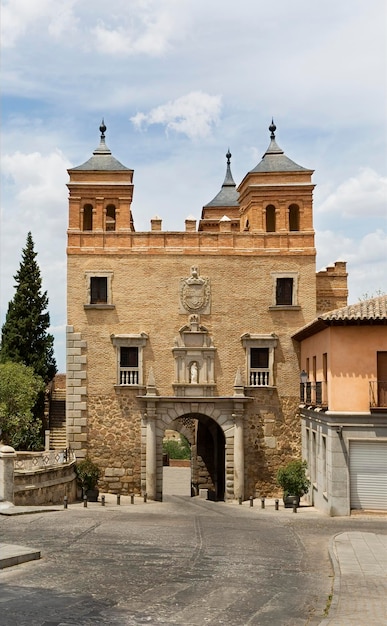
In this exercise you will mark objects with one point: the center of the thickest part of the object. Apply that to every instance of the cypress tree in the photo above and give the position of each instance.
(24, 334)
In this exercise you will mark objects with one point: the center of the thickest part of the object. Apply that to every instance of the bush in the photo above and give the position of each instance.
(292, 478)
(87, 473)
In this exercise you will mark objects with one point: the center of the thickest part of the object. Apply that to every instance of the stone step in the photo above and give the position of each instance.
(14, 555)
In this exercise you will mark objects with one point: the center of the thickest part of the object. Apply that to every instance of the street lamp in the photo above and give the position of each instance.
(304, 380)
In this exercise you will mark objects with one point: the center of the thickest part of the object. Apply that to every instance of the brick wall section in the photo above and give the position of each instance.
(332, 291)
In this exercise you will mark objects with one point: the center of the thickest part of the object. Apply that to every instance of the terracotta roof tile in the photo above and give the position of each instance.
(373, 309)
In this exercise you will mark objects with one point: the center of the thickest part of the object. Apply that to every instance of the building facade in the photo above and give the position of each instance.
(191, 331)
(344, 407)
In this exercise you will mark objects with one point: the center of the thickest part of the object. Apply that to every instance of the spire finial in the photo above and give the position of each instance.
(228, 156)
(102, 129)
(272, 129)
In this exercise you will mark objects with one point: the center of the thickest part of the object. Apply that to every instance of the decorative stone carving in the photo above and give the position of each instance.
(194, 355)
(195, 293)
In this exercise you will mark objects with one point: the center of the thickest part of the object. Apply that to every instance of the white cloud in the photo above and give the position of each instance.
(20, 16)
(39, 180)
(366, 259)
(362, 195)
(193, 114)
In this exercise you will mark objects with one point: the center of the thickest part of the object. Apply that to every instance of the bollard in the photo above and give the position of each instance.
(251, 501)
(118, 499)
(240, 499)
(276, 504)
(65, 501)
(85, 502)
(102, 500)
(145, 497)
(262, 503)
(294, 506)
(132, 499)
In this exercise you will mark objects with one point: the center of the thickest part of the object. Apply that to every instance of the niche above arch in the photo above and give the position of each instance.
(194, 355)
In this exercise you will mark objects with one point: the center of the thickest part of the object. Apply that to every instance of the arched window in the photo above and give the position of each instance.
(270, 219)
(294, 217)
(110, 217)
(87, 217)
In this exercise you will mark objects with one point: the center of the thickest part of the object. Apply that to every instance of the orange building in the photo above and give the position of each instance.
(344, 407)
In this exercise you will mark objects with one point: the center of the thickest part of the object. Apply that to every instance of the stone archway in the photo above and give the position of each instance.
(207, 442)
(220, 418)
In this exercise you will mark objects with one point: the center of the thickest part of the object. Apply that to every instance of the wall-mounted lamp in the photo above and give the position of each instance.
(339, 430)
(303, 377)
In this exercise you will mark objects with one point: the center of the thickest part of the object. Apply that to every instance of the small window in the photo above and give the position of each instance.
(260, 359)
(129, 358)
(98, 290)
(270, 219)
(129, 373)
(294, 217)
(87, 217)
(110, 217)
(284, 291)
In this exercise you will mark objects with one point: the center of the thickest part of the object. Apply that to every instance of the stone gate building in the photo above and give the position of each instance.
(191, 330)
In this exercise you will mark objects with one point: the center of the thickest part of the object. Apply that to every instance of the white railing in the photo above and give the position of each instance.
(259, 377)
(29, 462)
(129, 376)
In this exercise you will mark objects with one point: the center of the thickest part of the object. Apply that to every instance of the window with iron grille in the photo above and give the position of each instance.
(98, 290)
(284, 291)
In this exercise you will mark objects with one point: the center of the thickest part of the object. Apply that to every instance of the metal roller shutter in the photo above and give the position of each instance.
(368, 475)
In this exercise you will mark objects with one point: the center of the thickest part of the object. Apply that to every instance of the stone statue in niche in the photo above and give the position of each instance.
(195, 293)
(194, 373)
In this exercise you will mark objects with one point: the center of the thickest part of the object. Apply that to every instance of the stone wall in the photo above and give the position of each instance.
(45, 486)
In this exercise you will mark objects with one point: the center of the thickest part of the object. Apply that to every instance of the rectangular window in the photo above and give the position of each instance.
(129, 351)
(259, 357)
(324, 463)
(129, 372)
(284, 291)
(98, 290)
(259, 367)
(128, 356)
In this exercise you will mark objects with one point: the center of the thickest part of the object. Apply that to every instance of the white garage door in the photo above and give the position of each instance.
(368, 474)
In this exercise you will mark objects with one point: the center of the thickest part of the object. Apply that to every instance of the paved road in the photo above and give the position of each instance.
(182, 562)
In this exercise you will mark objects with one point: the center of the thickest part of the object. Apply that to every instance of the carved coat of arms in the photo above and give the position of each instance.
(195, 293)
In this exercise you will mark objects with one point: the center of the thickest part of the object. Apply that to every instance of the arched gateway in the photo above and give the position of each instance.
(214, 428)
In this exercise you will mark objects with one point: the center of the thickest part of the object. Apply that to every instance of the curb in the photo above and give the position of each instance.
(336, 582)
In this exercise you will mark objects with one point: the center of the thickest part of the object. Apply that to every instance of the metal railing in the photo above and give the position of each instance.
(314, 394)
(378, 394)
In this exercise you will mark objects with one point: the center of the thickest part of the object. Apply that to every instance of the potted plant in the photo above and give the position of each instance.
(292, 478)
(88, 473)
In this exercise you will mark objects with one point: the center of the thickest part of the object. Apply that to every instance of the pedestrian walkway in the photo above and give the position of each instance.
(360, 586)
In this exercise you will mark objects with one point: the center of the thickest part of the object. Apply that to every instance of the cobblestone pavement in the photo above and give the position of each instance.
(186, 562)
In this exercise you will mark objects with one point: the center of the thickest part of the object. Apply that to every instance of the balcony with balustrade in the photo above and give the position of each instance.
(378, 395)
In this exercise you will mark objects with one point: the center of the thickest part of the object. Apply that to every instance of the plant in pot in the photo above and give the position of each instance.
(88, 473)
(292, 478)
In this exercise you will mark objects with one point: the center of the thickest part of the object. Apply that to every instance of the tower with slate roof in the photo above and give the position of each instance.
(190, 330)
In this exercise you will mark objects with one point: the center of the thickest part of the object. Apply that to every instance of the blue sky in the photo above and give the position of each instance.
(178, 82)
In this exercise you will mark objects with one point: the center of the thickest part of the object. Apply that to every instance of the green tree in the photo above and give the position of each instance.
(20, 388)
(177, 449)
(25, 337)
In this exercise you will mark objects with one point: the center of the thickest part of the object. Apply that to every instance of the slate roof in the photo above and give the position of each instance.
(275, 160)
(366, 312)
(102, 159)
(228, 195)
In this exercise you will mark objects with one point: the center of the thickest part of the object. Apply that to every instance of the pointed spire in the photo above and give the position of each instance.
(102, 148)
(228, 195)
(272, 129)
